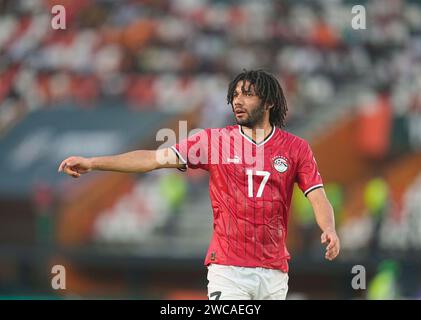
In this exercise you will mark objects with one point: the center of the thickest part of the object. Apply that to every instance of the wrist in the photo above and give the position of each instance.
(92, 163)
(329, 230)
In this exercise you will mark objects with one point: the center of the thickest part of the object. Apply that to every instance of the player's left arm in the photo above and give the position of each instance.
(325, 218)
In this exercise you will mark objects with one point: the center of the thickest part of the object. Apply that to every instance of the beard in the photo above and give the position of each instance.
(252, 118)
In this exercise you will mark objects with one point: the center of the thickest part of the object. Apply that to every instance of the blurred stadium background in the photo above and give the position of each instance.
(124, 69)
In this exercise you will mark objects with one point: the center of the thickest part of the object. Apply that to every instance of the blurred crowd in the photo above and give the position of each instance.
(179, 55)
(383, 225)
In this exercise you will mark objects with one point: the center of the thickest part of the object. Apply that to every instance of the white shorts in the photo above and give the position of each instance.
(241, 283)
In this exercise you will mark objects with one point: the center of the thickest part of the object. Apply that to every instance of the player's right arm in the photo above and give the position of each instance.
(138, 161)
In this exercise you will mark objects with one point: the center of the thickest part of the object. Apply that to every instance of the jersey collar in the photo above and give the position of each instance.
(240, 129)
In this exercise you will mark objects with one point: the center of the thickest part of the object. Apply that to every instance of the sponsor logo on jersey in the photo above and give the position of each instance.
(236, 159)
(280, 164)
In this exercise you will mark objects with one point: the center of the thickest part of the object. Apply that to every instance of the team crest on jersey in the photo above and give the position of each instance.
(280, 164)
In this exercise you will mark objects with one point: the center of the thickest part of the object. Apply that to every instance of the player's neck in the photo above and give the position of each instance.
(258, 132)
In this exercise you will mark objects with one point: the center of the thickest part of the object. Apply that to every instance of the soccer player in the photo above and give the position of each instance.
(253, 166)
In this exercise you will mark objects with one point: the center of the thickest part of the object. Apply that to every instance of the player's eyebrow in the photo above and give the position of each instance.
(249, 89)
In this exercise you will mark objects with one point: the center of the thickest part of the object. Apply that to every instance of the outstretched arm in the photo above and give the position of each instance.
(326, 220)
(138, 161)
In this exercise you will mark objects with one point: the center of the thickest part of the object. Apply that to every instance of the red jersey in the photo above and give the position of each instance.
(250, 189)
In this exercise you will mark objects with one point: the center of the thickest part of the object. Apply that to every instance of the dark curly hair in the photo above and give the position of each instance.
(267, 89)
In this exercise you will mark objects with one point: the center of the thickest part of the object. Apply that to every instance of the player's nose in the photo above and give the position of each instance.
(238, 104)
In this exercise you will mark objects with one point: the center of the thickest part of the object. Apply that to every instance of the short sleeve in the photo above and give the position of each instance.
(194, 150)
(308, 176)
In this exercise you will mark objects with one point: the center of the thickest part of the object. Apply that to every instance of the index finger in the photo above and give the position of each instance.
(68, 170)
(61, 166)
(333, 243)
(332, 254)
